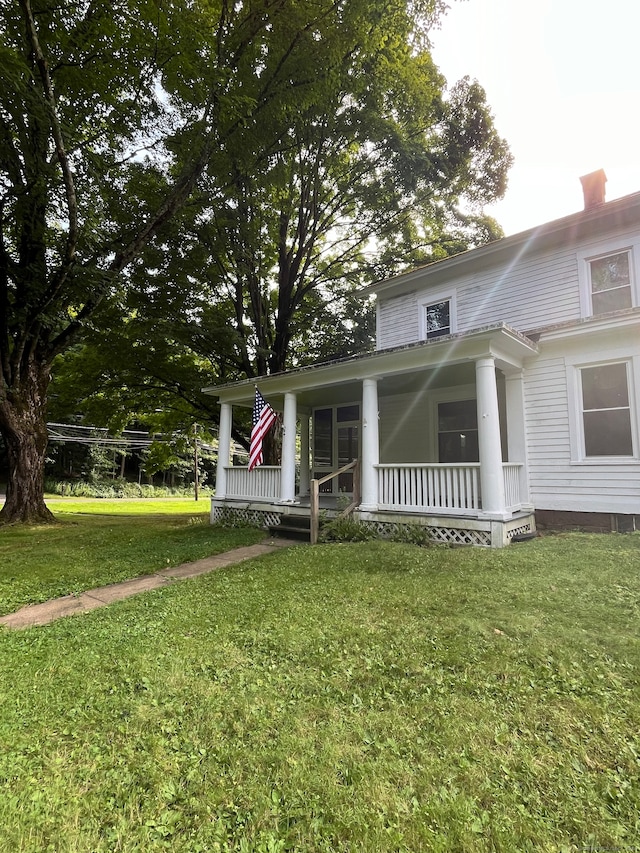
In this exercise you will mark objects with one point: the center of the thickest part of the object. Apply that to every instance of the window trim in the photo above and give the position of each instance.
(576, 409)
(603, 250)
(426, 299)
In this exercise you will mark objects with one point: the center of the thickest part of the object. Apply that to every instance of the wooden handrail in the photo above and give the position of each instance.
(315, 496)
(333, 474)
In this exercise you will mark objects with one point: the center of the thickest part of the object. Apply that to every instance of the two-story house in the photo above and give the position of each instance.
(504, 388)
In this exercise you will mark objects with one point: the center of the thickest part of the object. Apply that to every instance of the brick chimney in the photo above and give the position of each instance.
(593, 188)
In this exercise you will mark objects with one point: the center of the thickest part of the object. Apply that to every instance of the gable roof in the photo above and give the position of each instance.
(620, 213)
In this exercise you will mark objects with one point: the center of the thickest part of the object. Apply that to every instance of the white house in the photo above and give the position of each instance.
(504, 388)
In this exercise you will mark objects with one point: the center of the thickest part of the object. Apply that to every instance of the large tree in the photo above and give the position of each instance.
(109, 116)
(380, 168)
(377, 168)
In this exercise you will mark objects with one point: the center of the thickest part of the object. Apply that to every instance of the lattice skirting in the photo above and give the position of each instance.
(446, 535)
(475, 534)
(456, 536)
(255, 517)
(386, 528)
(521, 528)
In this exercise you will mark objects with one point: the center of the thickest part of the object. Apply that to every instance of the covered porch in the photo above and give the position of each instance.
(437, 428)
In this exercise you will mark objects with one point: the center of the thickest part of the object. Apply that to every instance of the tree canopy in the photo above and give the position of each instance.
(241, 166)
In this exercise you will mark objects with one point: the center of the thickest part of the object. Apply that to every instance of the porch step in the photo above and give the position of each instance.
(293, 527)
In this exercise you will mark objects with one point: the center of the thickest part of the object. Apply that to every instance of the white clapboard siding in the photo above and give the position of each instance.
(538, 292)
(547, 417)
(530, 292)
(555, 481)
(398, 321)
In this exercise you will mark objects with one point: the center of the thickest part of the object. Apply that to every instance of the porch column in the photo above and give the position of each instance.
(288, 469)
(370, 445)
(224, 448)
(516, 431)
(305, 419)
(491, 476)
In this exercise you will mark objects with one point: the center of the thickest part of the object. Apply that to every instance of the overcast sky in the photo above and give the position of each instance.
(562, 79)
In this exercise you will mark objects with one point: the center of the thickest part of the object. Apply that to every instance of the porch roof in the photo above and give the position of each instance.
(402, 368)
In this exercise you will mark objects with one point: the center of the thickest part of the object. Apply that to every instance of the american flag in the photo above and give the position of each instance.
(261, 423)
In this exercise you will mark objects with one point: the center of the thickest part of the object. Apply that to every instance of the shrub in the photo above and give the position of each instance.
(349, 529)
(346, 529)
(115, 489)
(411, 534)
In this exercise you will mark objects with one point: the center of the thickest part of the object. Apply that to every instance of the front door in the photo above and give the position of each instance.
(336, 442)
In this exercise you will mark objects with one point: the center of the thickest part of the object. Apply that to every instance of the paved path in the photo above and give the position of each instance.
(57, 608)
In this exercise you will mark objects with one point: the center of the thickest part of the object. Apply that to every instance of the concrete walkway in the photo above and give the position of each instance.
(69, 605)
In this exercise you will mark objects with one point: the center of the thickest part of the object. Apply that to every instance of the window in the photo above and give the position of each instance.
(606, 413)
(609, 277)
(610, 280)
(437, 315)
(458, 432)
(438, 319)
(348, 413)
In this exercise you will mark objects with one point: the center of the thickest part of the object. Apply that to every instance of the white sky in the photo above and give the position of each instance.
(562, 79)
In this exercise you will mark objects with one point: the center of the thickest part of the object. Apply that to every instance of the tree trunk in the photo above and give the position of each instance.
(24, 429)
(272, 444)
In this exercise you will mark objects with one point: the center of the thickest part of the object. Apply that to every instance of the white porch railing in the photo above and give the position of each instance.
(429, 487)
(511, 472)
(438, 488)
(411, 487)
(261, 484)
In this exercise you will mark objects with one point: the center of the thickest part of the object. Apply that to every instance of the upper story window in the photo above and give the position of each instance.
(610, 279)
(438, 319)
(437, 315)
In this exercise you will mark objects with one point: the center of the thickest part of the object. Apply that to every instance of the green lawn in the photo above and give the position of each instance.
(98, 542)
(125, 506)
(347, 697)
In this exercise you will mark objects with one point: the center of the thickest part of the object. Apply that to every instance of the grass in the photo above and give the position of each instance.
(124, 506)
(98, 542)
(347, 697)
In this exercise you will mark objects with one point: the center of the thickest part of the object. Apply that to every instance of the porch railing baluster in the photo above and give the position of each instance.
(435, 488)
(261, 484)
(429, 487)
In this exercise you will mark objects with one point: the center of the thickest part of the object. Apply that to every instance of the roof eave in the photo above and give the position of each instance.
(534, 239)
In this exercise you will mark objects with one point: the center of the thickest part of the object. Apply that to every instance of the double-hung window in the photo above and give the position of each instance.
(437, 316)
(606, 411)
(610, 281)
(458, 432)
(438, 319)
(609, 278)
